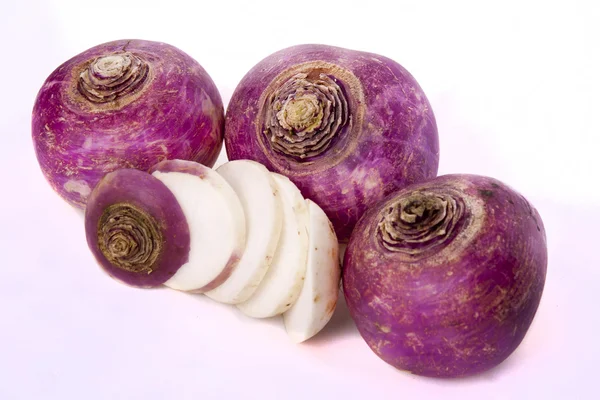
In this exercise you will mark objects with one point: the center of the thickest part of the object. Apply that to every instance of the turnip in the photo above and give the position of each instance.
(282, 283)
(123, 104)
(317, 301)
(240, 234)
(216, 220)
(444, 278)
(263, 208)
(347, 127)
(136, 229)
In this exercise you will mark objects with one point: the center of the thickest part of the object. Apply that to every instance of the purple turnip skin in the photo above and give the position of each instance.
(136, 229)
(453, 292)
(167, 107)
(388, 140)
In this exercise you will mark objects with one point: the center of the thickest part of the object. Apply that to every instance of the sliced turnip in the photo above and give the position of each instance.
(257, 191)
(283, 281)
(216, 221)
(315, 305)
(136, 229)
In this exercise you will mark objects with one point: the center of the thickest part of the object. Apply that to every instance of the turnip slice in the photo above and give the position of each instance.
(257, 191)
(136, 229)
(216, 221)
(315, 305)
(283, 281)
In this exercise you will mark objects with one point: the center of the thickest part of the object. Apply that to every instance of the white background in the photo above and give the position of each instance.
(514, 87)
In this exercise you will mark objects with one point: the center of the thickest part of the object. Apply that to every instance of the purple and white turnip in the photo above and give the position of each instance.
(444, 278)
(134, 219)
(347, 127)
(136, 229)
(240, 234)
(123, 104)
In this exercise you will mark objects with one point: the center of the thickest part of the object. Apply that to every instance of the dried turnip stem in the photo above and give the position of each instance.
(112, 77)
(422, 223)
(129, 238)
(305, 114)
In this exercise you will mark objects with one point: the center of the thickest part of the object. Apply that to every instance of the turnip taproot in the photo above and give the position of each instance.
(444, 278)
(123, 104)
(347, 127)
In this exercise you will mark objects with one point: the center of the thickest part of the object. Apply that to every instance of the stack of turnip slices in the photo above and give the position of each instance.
(240, 234)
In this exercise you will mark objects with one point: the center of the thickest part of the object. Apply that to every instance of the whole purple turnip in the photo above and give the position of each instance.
(123, 104)
(347, 127)
(444, 278)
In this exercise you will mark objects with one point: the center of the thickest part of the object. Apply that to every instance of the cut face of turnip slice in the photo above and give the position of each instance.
(283, 281)
(317, 300)
(136, 229)
(216, 220)
(261, 201)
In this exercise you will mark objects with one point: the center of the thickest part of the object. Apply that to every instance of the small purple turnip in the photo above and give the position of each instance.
(123, 104)
(347, 127)
(444, 278)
